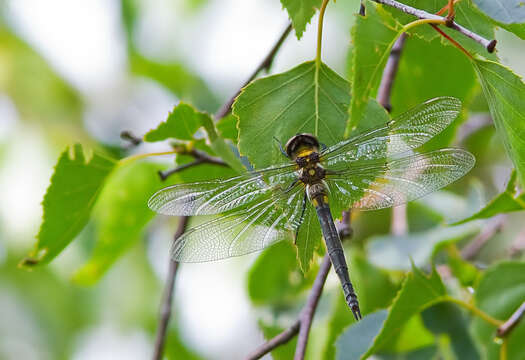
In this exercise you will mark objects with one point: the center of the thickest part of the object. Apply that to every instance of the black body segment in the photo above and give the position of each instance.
(337, 255)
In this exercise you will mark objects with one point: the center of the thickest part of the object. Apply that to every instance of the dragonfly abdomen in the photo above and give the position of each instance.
(335, 250)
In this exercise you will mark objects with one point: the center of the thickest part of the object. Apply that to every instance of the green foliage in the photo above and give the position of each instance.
(505, 92)
(500, 292)
(505, 11)
(369, 56)
(120, 216)
(182, 123)
(286, 104)
(301, 13)
(75, 186)
(447, 319)
(279, 285)
(509, 200)
(418, 293)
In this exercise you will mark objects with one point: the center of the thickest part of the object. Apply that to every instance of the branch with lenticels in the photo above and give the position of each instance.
(490, 45)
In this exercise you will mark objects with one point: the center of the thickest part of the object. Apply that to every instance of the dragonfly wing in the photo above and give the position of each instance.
(218, 196)
(383, 184)
(274, 218)
(407, 131)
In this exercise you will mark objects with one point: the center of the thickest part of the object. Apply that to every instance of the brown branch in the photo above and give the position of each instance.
(167, 297)
(399, 224)
(302, 324)
(518, 245)
(389, 73)
(511, 323)
(131, 138)
(476, 244)
(307, 314)
(200, 158)
(264, 65)
(422, 14)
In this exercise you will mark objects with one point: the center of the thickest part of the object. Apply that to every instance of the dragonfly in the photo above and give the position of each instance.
(373, 169)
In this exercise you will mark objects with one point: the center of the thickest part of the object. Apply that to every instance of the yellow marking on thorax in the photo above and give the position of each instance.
(311, 172)
(304, 152)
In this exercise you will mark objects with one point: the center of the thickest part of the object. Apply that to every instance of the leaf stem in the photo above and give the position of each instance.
(318, 63)
(142, 156)
(483, 315)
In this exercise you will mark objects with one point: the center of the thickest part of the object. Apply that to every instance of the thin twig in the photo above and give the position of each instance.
(511, 323)
(200, 158)
(422, 14)
(389, 73)
(492, 228)
(264, 65)
(399, 223)
(308, 311)
(167, 297)
(130, 137)
(304, 321)
(518, 245)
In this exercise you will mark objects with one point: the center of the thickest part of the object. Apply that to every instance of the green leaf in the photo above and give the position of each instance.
(445, 318)
(373, 35)
(508, 201)
(395, 252)
(176, 77)
(227, 128)
(308, 240)
(270, 284)
(504, 11)
(505, 92)
(500, 292)
(301, 12)
(182, 123)
(356, 340)
(120, 216)
(285, 104)
(418, 293)
(75, 186)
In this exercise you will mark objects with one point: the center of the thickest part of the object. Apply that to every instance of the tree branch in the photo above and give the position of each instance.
(511, 323)
(488, 232)
(307, 314)
(389, 73)
(264, 65)
(302, 324)
(167, 297)
(490, 45)
(200, 158)
(398, 225)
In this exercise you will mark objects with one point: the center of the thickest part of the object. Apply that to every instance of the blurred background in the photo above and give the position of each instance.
(83, 71)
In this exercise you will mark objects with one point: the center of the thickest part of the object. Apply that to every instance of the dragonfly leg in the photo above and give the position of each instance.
(281, 147)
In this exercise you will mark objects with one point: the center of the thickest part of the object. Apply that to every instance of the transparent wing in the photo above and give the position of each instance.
(240, 232)
(218, 196)
(379, 185)
(407, 131)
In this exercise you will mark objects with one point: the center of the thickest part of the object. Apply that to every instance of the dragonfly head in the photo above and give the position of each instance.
(301, 145)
